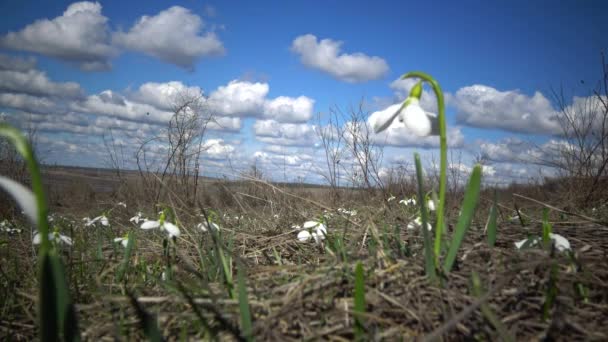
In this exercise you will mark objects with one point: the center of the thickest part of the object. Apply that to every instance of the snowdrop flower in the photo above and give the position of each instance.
(23, 196)
(123, 240)
(392, 198)
(276, 216)
(431, 205)
(204, 227)
(55, 236)
(409, 201)
(102, 219)
(121, 204)
(316, 229)
(409, 113)
(418, 223)
(137, 218)
(560, 242)
(171, 229)
(304, 236)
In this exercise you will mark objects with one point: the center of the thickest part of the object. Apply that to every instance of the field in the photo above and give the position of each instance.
(364, 280)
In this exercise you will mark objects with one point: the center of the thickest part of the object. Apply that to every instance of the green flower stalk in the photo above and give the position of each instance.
(420, 123)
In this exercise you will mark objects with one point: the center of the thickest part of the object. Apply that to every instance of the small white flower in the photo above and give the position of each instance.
(276, 216)
(102, 219)
(392, 198)
(409, 201)
(560, 242)
(123, 241)
(417, 223)
(204, 227)
(413, 117)
(137, 218)
(24, 197)
(304, 236)
(122, 204)
(171, 229)
(319, 231)
(431, 205)
(55, 236)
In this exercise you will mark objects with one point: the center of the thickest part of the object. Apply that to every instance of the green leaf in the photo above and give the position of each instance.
(246, 322)
(546, 228)
(359, 301)
(128, 251)
(471, 198)
(429, 261)
(49, 322)
(491, 224)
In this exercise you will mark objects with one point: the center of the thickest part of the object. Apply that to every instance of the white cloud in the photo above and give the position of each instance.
(35, 82)
(239, 98)
(28, 103)
(222, 123)
(173, 35)
(79, 36)
(16, 63)
(217, 149)
(325, 55)
(289, 109)
(274, 132)
(483, 106)
(113, 104)
(164, 96)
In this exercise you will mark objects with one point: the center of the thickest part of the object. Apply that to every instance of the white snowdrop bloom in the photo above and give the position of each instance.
(431, 205)
(171, 229)
(23, 196)
(276, 216)
(392, 198)
(137, 218)
(409, 201)
(101, 219)
(413, 117)
(121, 204)
(303, 236)
(296, 226)
(55, 236)
(123, 241)
(316, 229)
(204, 227)
(417, 223)
(560, 242)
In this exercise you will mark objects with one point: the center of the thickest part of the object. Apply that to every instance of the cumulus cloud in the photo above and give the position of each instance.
(486, 107)
(35, 82)
(289, 109)
(217, 149)
(248, 99)
(16, 63)
(325, 55)
(79, 36)
(222, 123)
(290, 134)
(113, 104)
(164, 96)
(239, 98)
(173, 35)
(28, 103)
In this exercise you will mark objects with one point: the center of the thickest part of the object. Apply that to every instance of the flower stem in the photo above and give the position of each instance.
(443, 144)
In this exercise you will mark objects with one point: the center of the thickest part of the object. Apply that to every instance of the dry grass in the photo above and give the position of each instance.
(302, 291)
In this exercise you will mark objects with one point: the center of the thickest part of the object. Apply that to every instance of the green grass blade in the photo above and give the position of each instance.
(491, 224)
(471, 197)
(429, 261)
(66, 313)
(359, 301)
(127, 257)
(546, 228)
(49, 324)
(246, 322)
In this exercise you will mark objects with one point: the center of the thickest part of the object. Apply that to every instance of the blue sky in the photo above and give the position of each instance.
(497, 62)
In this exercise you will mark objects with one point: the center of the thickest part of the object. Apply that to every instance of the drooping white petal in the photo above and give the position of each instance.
(310, 224)
(104, 221)
(321, 229)
(383, 119)
(303, 236)
(123, 241)
(204, 227)
(415, 119)
(171, 229)
(150, 225)
(37, 239)
(431, 205)
(561, 243)
(65, 239)
(520, 244)
(24, 197)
